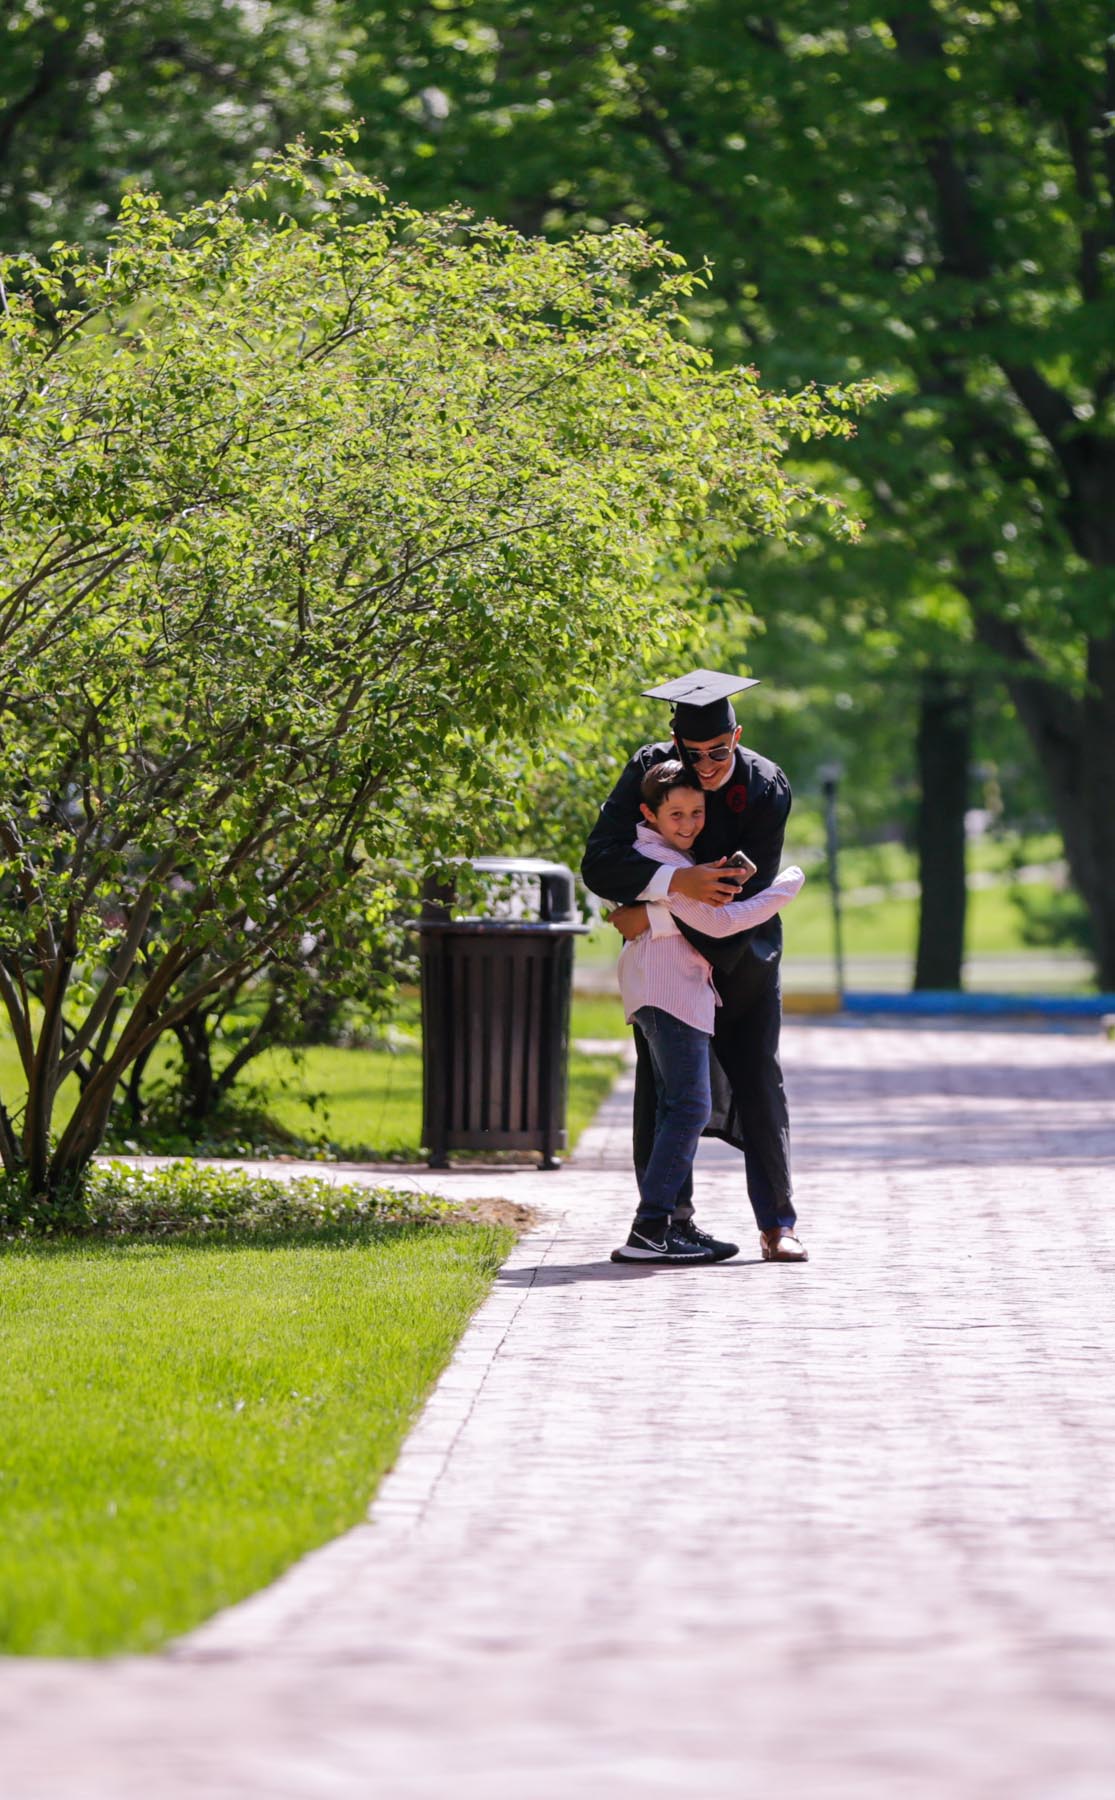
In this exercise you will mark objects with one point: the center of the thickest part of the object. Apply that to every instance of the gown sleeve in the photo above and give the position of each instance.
(611, 866)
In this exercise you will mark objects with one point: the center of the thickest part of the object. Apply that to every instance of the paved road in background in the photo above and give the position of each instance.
(846, 1530)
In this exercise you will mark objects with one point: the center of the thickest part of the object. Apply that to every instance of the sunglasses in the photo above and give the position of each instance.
(722, 754)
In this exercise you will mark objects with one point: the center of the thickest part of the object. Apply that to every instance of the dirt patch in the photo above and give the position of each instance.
(497, 1211)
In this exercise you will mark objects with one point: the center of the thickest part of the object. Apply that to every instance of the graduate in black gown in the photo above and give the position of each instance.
(747, 802)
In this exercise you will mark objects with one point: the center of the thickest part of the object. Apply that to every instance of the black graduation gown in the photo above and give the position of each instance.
(747, 813)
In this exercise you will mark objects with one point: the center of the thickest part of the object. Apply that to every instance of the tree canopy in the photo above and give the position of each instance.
(100, 95)
(925, 192)
(314, 504)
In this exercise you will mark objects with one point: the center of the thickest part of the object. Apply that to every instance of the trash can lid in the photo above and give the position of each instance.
(519, 886)
(480, 927)
(518, 865)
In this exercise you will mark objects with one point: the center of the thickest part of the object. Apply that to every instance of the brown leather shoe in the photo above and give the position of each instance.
(782, 1246)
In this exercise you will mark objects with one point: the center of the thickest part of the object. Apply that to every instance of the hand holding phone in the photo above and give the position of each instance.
(738, 860)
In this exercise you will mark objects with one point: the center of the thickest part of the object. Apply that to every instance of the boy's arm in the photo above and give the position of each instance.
(738, 915)
(762, 831)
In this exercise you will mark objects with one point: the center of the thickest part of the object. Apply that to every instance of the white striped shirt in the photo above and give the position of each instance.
(662, 968)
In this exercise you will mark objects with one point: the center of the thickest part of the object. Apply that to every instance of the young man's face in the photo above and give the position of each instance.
(712, 758)
(679, 818)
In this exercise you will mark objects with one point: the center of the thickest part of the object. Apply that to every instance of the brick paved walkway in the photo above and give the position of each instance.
(747, 1531)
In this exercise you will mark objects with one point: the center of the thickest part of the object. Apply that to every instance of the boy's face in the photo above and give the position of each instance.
(679, 818)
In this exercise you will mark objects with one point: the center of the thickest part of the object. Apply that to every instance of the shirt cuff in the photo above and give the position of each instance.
(662, 922)
(659, 884)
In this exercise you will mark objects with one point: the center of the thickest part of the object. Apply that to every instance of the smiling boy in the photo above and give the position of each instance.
(669, 996)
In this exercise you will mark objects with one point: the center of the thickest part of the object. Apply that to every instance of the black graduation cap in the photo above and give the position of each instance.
(702, 702)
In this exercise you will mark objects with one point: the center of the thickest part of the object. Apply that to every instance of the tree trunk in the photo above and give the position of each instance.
(944, 746)
(1075, 743)
(135, 1086)
(10, 1156)
(319, 1017)
(1098, 803)
(42, 1087)
(198, 1083)
(260, 1040)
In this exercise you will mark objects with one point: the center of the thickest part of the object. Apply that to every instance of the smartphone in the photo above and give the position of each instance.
(738, 860)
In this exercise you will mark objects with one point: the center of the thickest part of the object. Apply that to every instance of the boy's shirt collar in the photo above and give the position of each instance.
(652, 844)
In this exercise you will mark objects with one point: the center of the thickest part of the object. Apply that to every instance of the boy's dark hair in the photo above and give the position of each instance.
(663, 779)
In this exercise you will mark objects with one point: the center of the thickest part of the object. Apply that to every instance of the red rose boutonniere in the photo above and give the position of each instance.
(736, 797)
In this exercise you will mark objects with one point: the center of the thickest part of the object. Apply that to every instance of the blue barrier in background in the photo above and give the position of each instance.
(945, 1005)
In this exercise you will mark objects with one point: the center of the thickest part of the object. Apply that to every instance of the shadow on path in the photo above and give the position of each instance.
(565, 1274)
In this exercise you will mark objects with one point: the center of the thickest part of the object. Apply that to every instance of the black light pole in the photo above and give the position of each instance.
(830, 775)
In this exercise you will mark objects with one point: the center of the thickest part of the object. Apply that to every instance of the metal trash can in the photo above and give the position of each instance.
(495, 1015)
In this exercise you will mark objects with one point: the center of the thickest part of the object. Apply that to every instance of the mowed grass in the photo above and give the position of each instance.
(884, 927)
(179, 1422)
(600, 1016)
(889, 927)
(364, 1103)
(364, 1100)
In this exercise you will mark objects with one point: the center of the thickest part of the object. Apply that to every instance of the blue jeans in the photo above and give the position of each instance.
(679, 1060)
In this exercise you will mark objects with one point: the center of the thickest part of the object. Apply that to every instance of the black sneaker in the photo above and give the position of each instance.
(693, 1234)
(670, 1247)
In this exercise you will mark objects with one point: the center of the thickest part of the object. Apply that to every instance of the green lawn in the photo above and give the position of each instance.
(179, 1422)
(367, 1101)
(887, 926)
(599, 1016)
(872, 928)
(364, 1103)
